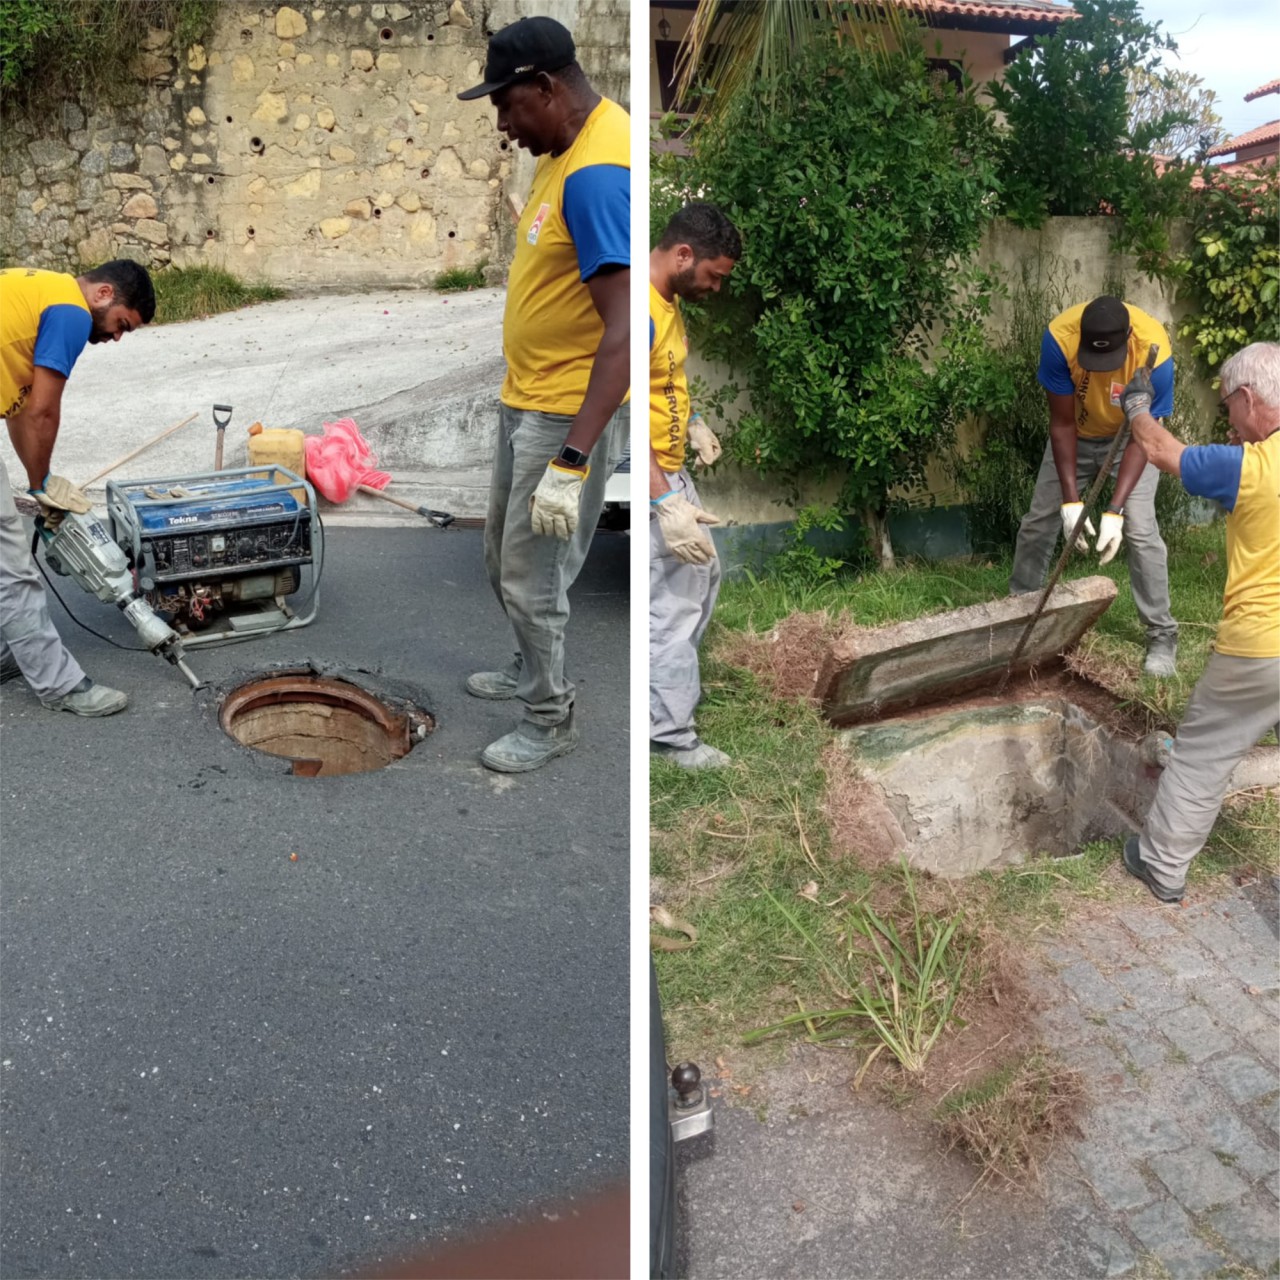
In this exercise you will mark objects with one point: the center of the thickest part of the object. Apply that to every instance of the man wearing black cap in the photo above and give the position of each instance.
(564, 421)
(1087, 355)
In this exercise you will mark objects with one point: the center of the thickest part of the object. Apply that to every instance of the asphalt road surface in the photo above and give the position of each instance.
(220, 1062)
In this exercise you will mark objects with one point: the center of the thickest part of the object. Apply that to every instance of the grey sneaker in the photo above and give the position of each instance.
(1162, 658)
(702, 755)
(530, 746)
(495, 685)
(9, 669)
(1135, 866)
(89, 699)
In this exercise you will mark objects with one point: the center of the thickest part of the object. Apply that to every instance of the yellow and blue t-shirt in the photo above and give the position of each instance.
(668, 387)
(1097, 395)
(1245, 479)
(45, 321)
(577, 221)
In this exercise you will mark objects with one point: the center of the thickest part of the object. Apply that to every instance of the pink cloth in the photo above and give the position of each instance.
(340, 460)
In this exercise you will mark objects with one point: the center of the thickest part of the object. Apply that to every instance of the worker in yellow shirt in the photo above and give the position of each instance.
(1237, 699)
(696, 253)
(1087, 355)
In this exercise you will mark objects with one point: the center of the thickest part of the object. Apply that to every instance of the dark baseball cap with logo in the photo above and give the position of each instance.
(520, 51)
(1104, 335)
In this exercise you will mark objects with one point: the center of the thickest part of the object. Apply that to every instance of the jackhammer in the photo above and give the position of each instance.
(76, 546)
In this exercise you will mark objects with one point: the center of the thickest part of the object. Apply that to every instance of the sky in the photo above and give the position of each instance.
(1232, 45)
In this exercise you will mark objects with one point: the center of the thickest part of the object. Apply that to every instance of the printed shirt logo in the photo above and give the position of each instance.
(1117, 390)
(536, 225)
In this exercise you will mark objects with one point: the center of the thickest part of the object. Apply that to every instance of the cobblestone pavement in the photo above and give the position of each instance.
(1172, 1014)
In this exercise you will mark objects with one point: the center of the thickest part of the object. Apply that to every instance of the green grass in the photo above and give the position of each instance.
(460, 279)
(724, 841)
(193, 293)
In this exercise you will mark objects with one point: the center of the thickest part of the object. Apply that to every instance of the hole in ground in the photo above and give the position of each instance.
(322, 726)
(985, 785)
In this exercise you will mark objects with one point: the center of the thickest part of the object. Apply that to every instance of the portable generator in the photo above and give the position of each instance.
(218, 553)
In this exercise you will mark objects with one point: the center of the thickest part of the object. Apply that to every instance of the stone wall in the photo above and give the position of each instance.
(310, 147)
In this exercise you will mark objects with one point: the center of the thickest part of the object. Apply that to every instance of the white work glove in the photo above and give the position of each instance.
(1110, 536)
(704, 442)
(1070, 514)
(553, 509)
(682, 528)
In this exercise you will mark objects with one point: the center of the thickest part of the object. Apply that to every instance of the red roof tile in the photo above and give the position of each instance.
(1269, 132)
(1039, 13)
(1272, 86)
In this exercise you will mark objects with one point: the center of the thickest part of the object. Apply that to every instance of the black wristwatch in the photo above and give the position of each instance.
(572, 457)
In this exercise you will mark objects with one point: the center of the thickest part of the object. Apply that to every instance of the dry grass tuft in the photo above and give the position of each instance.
(1008, 1121)
(787, 658)
(861, 825)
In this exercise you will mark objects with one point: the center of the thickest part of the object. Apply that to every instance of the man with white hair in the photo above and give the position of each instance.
(1238, 697)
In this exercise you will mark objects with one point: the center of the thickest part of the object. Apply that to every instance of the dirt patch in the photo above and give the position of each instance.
(860, 824)
(785, 659)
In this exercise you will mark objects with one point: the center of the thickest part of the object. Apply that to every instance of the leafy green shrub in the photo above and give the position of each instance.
(1068, 147)
(51, 49)
(860, 195)
(1233, 269)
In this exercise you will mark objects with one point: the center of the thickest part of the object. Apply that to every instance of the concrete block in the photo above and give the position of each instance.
(869, 672)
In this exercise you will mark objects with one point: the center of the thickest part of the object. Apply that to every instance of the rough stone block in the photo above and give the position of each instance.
(1163, 1228)
(869, 672)
(1237, 1143)
(1242, 1078)
(1138, 1126)
(1113, 1176)
(1198, 1179)
(1192, 1030)
(1250, 1231)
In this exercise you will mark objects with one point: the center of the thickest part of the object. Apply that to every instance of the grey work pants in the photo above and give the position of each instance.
(531, 573)
(27, 633)
(1148, 558)
(681, 598)
(1235, 702)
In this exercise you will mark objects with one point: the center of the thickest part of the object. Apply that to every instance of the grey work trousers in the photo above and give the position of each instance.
(681, 598)
(531, 573)
(27, 633)
(1234, 703)
(1148, 558)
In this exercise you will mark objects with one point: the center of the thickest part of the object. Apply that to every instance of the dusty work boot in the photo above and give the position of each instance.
(530, 746)
(9, 669)
(1162, 657)
(702, 755)
(1135, 866)
(89, 699)
(495, 685)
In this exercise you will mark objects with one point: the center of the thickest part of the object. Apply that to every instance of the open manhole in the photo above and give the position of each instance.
(322, 726)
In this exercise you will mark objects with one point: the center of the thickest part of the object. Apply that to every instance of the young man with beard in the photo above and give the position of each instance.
(46, 318)
(696, 253)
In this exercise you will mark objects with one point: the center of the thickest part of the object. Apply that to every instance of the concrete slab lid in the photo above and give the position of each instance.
(868, 673)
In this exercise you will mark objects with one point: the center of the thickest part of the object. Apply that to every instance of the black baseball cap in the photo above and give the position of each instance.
(1104, 335)
(520, 51)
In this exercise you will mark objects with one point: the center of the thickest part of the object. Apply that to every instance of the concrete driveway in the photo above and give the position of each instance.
(220, 1062)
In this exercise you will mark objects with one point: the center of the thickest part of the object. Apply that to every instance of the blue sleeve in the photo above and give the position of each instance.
(1213, 471)
(64, 329)
(1162, 385)
(653, 333)
(1054, 375)
(597, 211)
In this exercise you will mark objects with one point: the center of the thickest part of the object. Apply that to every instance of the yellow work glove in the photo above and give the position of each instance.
(1110, 536)
(681, 524)
(553, 509)
(59, 494)
(703, 441)
(1070, 514)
